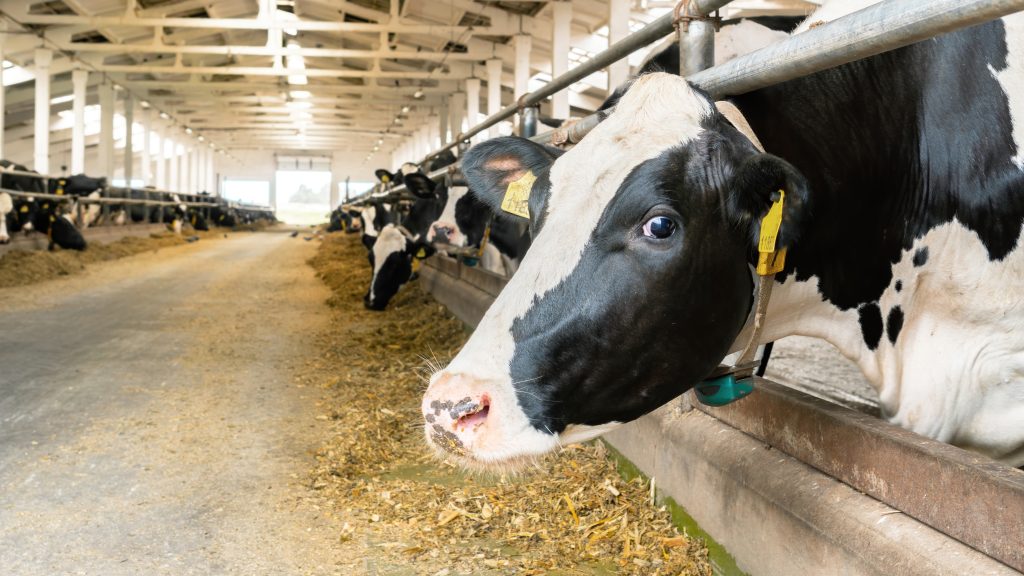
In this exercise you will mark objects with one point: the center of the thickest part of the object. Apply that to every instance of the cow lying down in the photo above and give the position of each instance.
(902, 219)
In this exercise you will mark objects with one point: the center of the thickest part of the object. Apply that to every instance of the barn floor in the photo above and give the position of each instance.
(214, 408)
(150, 422)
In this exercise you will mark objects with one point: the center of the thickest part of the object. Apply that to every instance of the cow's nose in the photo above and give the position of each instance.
(441, 234)
(455, 411)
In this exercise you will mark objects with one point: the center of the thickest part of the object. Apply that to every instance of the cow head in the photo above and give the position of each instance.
(636, 285)
(392, 259)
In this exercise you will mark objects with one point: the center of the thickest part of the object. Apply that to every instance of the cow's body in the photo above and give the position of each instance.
(902, 218)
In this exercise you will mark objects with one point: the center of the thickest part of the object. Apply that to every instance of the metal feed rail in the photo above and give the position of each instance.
(87, 200)
(886, 26)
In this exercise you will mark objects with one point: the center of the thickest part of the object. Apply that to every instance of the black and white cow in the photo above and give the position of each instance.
(373, 218)
(78, 186)
(464, 220)
(395, 249)
(903, 212)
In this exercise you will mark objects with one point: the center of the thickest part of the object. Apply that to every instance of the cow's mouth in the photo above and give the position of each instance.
(472, 416)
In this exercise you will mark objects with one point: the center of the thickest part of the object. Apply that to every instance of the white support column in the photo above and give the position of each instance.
(523, 44)
(423, 137)
(456, 112)
(185, 184)
(41, 160)
(493, 93)
(473, 104)
(173, 183)
(146, 173)
(211, 172)
(129, 140)
(433, 134)
(618, 28)
(561, 34)
(442, 121)
(193, 170)
(79, 83)
(106, 147)
(161, 157)
(3, 39)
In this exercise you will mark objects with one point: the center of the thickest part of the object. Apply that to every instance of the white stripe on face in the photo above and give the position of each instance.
(368, 215)
(447, 218)
(659, 112)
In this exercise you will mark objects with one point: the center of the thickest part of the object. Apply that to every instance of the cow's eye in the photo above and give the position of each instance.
(659, 227)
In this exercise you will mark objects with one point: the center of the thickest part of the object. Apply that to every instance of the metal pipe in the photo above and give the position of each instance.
(649, 34)
(528, 121)
(696, 46)
(873, 30)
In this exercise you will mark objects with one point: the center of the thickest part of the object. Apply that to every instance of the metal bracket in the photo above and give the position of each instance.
(684, 13)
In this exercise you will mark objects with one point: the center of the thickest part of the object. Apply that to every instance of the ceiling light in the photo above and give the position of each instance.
(398, 120)
(298, 104)
(298, 79)
(200, 138)
(380, 141)
(188, 130)
(405, 109)
(417, 94)
(165, 115)
(144, 104)
(62, 99)
(300, 93)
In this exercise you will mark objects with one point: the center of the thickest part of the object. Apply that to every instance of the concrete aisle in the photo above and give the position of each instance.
(151, 419)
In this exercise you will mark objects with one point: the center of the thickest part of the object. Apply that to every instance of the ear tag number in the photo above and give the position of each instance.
(769, 260)
(517, 196)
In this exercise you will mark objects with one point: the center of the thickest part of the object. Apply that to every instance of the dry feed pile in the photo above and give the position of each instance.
(23, 267)
(572, 513)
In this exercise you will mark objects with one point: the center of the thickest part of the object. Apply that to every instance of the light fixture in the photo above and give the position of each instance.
(298, 104)
(144, 104)
(188, 130)
(417, 94)
(398, 121)
(300, 93)
(165, 115)
(405, 109)
(380, 141)
(200, 138)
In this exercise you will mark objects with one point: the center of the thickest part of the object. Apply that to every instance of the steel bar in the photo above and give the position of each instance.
(649, 34)
(873, 30)
(87, 200)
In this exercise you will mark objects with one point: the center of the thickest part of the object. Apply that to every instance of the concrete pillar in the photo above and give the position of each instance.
(523, 44)
(442, 121)
(184, 184)
(129, 140)
(193, 170)
(146, 173)
(472, 104)
(106, 147)
(79, 83)
(161, 157)
(618, 28)
(561, 34)
(173, 183)
(493, 92)
(41, 160)
(211, 172)
(3, 37)
(456, 112)
(273, 194)
(433, 134)
(423, 142)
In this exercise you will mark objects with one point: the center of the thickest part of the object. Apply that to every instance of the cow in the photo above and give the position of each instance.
(465, 222)
(8, 217)
(76, 187)
(898, 179)
(372, 219)
(391, 259)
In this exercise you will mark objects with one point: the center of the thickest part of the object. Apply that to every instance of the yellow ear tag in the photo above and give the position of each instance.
(517, 196)
(24, 208)
(385, 179)
(422, 253)
(769, 260)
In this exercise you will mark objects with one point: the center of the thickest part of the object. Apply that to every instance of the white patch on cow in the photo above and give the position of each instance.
(744, 38)
(367, 216)
(492, 261)
(833, 10)
(956, 371)
(660, 111)
(91, 211)
(1011, 79)
(6, 207)
(390, 241)
(409, 168)
(447, 218)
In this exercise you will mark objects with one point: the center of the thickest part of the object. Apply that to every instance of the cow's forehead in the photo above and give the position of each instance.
(659, 111)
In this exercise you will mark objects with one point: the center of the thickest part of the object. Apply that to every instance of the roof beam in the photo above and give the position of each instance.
(271, 71)
(244, 50)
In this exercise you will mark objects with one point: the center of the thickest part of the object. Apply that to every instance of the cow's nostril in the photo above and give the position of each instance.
(474, 416)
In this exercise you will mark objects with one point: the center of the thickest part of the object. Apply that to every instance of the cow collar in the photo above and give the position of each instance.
(729, 383)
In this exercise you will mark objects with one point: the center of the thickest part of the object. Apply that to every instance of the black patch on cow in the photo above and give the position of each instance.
(894, 323)
(899, 285)
(920, 257)
(394, 272)
(597, 347)
(870, 317)
(894, 146)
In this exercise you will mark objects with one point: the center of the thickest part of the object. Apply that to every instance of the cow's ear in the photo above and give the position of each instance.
(420, 185)
(501, 173)
(756, 186)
